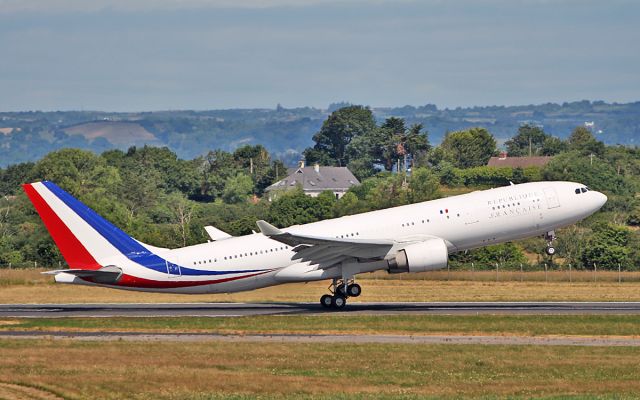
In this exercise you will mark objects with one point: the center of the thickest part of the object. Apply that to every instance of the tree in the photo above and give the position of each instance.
(608, 247)
(582, 140)
(254, 160)
(531, 140)
(592, 171)
(14, 176)
(237, 189)
(215, 168)
(182, 210)
(362, 167)
(275, 172)
(469, 148)
(388, 191)
(423, 186)
(347, 205)
(362, 153)
(337, 132)
(392, 136)
(417, 144)
(385, 145)
(78, 171)
(294, 207)
(571, 243)
(487, 257)
(553, 145)
(177, 175)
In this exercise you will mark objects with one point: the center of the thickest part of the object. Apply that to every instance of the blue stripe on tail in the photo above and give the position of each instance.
(132, 249)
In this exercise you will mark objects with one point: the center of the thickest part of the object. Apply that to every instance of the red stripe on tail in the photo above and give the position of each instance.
(74, 253)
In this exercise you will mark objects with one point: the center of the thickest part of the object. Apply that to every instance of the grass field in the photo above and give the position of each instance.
(68, 369)
(215, 370)
(29, 286)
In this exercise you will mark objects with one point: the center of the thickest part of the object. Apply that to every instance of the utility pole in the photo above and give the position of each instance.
(405, 169)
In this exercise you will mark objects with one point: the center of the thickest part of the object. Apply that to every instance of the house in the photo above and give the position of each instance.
(518, 162)
(315, 180)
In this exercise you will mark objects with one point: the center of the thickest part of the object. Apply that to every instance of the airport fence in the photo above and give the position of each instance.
(500, 273)
(31, 264)
(521, 273)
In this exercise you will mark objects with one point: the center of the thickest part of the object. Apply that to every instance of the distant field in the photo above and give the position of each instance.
(116, 132)
(29, 286)
(65, 369)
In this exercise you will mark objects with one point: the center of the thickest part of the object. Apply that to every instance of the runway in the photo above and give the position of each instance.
(252, 309)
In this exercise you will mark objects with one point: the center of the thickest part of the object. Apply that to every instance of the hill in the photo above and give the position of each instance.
(27, 136)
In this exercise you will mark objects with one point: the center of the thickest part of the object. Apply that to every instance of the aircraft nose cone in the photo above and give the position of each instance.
(601, 198)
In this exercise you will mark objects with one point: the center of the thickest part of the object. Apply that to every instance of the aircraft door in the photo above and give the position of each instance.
(552, 198)
(173, 270)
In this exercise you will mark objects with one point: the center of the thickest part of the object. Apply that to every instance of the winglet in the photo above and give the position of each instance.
(267, 229)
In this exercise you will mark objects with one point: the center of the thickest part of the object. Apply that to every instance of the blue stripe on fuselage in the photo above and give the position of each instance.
(133, 250)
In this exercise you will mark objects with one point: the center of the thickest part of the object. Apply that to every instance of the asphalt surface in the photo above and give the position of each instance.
(249, 309)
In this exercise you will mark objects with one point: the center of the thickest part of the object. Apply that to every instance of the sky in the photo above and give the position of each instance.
(145, 55)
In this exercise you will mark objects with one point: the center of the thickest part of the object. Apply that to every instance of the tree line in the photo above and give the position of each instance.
(166, 201)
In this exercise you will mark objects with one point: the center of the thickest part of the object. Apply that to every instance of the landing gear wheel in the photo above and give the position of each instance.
(338, 301)
(550, 237)
(326, 301)
(340, 290)
(354, 290)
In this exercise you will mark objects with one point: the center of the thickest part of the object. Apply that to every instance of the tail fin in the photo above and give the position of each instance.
(85, 239)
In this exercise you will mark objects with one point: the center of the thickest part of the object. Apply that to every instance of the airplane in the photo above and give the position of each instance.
(406, 239)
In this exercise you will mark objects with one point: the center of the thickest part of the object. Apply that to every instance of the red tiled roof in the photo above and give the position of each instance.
(519, 162)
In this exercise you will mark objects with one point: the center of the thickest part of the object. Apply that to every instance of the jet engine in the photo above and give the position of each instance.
(429, 255)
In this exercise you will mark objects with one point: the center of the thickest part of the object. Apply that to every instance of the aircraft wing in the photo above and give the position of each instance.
(325, 251)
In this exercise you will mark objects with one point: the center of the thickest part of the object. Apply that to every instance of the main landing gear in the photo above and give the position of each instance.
(550, 237)
(340, 291)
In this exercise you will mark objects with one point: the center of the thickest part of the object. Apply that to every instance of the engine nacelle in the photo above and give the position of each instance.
(429, 255)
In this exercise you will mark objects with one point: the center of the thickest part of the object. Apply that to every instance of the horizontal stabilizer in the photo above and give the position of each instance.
(108, 274)
(215, 233)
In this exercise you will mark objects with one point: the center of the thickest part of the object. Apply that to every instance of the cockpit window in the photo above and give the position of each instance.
(584, 190)
(578, 191)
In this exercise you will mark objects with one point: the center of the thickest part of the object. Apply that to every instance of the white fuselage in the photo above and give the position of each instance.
(467, 221)
(464, 222)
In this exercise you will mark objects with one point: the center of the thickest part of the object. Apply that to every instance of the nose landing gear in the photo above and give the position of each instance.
(340, 291)
(550, 237)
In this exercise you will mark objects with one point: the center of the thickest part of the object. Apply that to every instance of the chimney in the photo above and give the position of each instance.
(301, 163)
(316, 167)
